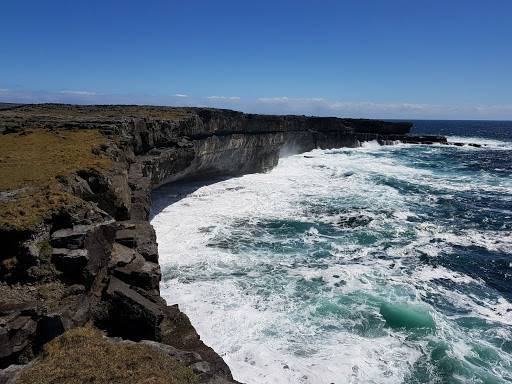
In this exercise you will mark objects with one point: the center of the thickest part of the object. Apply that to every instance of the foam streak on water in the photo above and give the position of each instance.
(369, 265)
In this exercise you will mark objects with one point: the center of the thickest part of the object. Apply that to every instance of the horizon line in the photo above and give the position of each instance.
(15, 104)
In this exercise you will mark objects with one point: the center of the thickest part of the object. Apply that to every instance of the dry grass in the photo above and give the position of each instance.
(83, 355)
(29, 165)
(98, 113)
(34, 205)
(39, 156)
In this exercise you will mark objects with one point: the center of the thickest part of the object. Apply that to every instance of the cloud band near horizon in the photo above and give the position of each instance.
(271, 105)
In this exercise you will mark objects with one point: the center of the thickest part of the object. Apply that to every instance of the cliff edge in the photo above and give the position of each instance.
(75, 199)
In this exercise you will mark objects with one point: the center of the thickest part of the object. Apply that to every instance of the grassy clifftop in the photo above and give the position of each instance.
(83, 355)
(31, 161)
(66, 113)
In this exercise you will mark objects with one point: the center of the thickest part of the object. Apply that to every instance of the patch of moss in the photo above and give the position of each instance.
(30, 164)
(43, 269)
(45, 249)
(50, 295)
(51, 291)
(83, 355)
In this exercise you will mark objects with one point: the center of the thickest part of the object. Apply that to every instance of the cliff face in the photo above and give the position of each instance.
(96, 260)
(221, 142)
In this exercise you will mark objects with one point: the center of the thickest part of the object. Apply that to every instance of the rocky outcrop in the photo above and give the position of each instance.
(100, 264)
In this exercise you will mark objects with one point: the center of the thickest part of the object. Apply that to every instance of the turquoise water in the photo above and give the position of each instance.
(369, 265)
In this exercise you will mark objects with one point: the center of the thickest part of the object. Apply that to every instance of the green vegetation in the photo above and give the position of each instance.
(30, 161)
(45, 248)
(50, 295)
(83, 355)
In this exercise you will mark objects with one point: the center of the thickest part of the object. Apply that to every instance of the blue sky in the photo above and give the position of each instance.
(369, 58)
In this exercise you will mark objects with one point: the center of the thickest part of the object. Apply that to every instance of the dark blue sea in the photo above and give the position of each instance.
(378, 264)
(498, 130)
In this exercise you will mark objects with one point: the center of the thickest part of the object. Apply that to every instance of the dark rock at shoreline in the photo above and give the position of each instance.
(354, 221)
(140, 236)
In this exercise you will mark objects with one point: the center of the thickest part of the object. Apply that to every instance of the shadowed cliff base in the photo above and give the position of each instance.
(173, 192)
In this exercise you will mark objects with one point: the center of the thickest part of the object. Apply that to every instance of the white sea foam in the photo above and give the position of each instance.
(258, 305)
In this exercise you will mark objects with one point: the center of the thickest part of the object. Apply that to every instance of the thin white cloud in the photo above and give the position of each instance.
(406, 110)
(232, 98)
(180, 95)
(274, 105)
(271, 100)
(285, 99)
(79, 93)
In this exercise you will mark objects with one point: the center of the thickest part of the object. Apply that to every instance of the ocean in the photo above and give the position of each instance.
(378, 264)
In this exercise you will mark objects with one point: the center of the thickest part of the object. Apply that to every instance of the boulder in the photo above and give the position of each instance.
(70, 261)
(35, 314)
(141, 273)
(71, 238)
(139, 235)
(130, 315)
(133, 269)
(98, 244)
(17, 332)
(111, 192)
(121, 255)
(77, 186)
